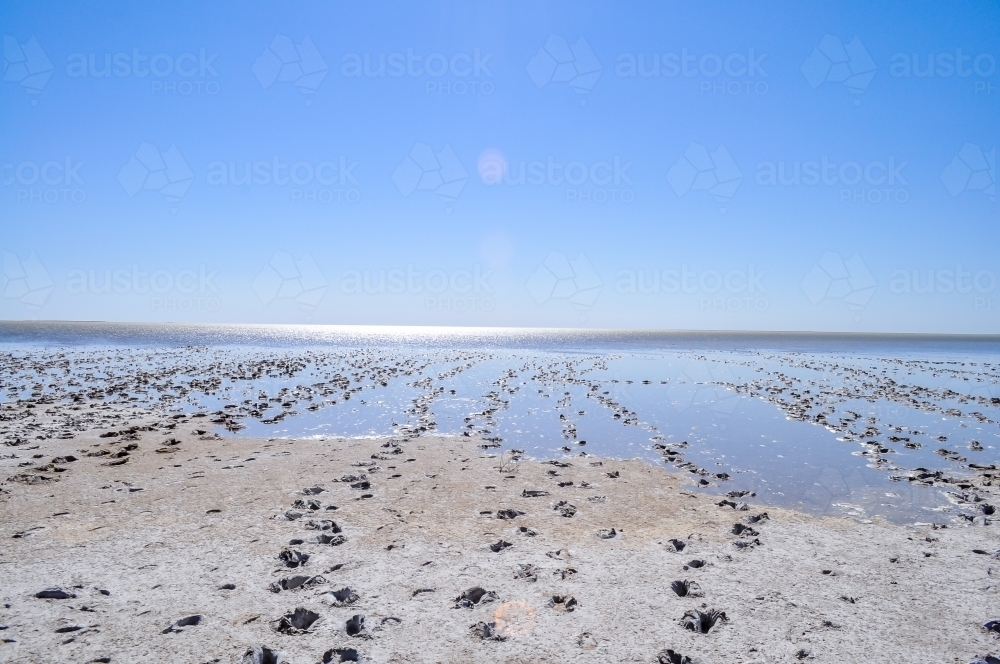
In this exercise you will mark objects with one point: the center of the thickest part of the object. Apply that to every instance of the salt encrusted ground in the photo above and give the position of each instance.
(154, 540)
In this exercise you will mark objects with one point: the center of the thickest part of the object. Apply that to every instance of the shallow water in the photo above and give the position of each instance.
(830, 424)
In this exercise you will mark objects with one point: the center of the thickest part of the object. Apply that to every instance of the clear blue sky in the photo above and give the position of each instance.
(775, 166)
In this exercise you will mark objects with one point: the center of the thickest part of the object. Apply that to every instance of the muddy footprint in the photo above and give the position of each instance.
(563, 603)
(528, 572)
(263, 655)
(668, 656)
(323, 524)
(54, 593)
(343, 597)
(178, 626)
(564, 508)
(293, 558)
(296, 582)
(677, 545)
(508, 514)
(740, 529)
(341, 655)
(299, 621)
(703, 622)
(474, 596)
(499, 546)
(687, 589)
(486, 632)
(356, 625)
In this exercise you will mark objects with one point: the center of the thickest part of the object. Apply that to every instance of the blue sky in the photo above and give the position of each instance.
(653, 141)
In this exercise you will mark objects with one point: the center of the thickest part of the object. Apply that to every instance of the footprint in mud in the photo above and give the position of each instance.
(687, 589)
(486, 632)
(739, 507)
(178, 626)
(533, 493)
(332, 540)
(290, 515)
(528, 572)
(986, 659)
(295, 542)
(312, 490)
(747, 544)
(323, 524)
(606, 534)
(474, 596)
(563, 603)
(564, 508)
(559, 554)
(526, 531)
(356, 625)
(757, 518)
(597, 499)
(992, 626)
(421, 591)
(743, 530)
(339, 598)
(340, 655)
(694, 564)
(227, 586)
(54, 593)
(676, 545)
(293, 558)
(586, 641)
(363, 485)
(499, 546)
(668, 656)
(508, 514)
(299, 621)
(566, 574)
(296, 582)
(301, 504)
(702, 622)
(262, 655)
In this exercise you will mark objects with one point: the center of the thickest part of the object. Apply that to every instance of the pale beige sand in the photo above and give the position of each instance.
(162, 557)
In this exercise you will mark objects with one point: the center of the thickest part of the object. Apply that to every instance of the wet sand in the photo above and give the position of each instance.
(192, 525)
